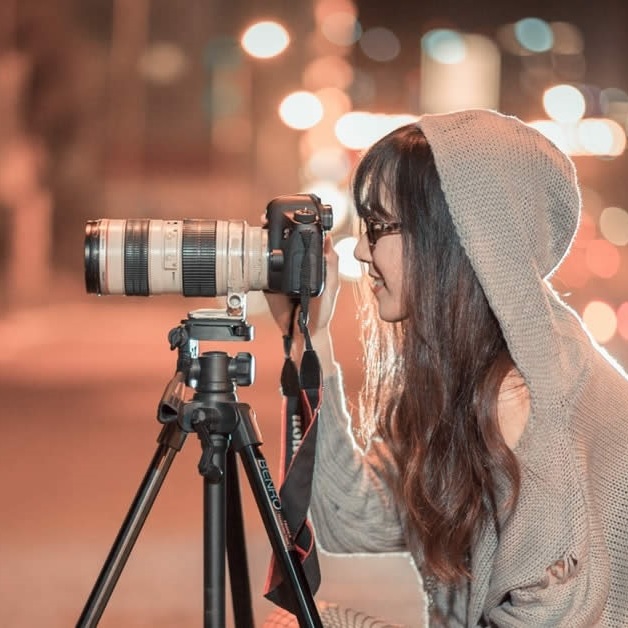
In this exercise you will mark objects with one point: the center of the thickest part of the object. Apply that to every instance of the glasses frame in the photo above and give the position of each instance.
(376, 229)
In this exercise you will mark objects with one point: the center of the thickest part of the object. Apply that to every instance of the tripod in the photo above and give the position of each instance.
(224, 427)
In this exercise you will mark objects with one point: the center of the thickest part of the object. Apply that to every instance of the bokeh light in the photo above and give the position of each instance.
(444, 46)
(341, 28)
(332, 195)
(336, 102)
(357, 130)
(534, 34)
(601, 137)
(162, 63)
(348, 267)
(567, 39)
(614, 104)
(564, 103)
(264, 40)
(622, 320)
(600, 319)
(380, 44)
(301, 110)
(614, 225)
(331, 163)
(553, 132)
(458, 72)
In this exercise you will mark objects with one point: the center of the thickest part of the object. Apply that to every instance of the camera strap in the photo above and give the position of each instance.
(301, 391)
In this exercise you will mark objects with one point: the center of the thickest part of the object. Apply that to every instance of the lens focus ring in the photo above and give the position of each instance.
(199, 258)
(136, 257)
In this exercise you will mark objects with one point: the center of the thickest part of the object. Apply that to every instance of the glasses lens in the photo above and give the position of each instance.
(375, 229)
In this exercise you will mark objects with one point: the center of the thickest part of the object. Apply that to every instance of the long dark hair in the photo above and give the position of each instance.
(433, 380)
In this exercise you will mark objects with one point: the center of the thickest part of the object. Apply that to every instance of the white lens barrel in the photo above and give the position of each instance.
(240, 259)
(111, 256)
(164, 256)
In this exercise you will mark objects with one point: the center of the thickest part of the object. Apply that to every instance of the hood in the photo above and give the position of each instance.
(515, 203)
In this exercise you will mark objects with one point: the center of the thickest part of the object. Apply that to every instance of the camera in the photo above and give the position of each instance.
(209, 258)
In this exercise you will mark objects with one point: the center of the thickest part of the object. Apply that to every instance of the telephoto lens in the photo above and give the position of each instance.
(192, 257)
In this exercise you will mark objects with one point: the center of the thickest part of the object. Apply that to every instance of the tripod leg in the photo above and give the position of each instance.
(170, 440)
(270, 510)
(236, 550)
(214, 499)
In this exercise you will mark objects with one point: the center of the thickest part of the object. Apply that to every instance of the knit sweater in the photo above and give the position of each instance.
(562, 556)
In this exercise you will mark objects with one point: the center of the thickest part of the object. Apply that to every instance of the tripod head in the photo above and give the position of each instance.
(213, 375)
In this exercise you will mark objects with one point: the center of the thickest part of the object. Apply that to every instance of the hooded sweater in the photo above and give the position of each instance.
(561, 558)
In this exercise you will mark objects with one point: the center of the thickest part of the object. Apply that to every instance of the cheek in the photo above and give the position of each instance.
(390, 262)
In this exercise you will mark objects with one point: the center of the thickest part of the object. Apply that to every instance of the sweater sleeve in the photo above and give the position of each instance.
(352, 507)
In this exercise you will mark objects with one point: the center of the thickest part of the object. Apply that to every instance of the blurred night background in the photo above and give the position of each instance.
(209, 109)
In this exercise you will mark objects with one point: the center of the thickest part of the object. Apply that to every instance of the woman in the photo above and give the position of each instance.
(496, 427)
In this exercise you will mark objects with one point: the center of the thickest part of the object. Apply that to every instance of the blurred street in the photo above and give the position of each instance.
(80, 379)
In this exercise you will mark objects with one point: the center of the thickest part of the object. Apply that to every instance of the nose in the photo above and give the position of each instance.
(362, 250)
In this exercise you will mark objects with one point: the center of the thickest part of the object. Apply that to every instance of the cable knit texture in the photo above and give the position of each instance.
(562, 558)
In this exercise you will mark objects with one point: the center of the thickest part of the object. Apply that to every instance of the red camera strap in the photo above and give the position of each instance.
(302, 391)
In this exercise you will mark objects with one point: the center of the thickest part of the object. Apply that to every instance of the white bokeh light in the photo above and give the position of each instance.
(601, 320)
(348, 267)
(444, 45)
(600, 136)
(331, 194)
(564, 103)
(357, 130)
(301, 110)
(264, 40)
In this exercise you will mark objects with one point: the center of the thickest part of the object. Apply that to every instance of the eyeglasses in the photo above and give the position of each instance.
(375, 229)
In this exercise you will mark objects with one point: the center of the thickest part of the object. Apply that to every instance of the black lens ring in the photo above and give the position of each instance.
(92, 257)
(136, 257)
(198, 258)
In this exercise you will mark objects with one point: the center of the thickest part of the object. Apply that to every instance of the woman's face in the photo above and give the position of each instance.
(383, 256)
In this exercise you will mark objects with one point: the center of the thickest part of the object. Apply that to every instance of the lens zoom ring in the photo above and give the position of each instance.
(136, 257)
(199, 258)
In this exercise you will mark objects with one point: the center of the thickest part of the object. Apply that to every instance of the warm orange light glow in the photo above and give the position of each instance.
(614, 225)
(162, 63)
(622, 320)
(341, 28)
(600, 319)
(602, 258)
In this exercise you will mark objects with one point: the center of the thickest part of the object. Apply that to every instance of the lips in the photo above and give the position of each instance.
(377, 283)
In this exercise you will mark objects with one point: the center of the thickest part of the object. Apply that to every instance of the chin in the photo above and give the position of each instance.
(390, 316)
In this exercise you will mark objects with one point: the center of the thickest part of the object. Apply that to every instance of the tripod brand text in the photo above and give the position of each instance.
(268, 483)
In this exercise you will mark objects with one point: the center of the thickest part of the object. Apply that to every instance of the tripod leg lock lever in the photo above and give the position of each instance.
(206, 467)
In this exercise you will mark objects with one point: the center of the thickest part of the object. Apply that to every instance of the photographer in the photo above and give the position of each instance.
(495, 427)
